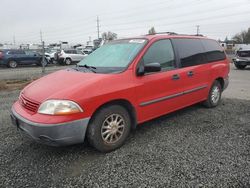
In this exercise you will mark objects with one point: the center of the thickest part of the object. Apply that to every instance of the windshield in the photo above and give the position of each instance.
(114, 56)
(244, 53)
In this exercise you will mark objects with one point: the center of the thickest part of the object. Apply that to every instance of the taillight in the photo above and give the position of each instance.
(1, 54)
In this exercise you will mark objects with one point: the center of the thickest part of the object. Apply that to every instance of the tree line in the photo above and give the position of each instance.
(242, 37)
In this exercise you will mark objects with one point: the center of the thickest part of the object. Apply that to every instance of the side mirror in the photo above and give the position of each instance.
(151, 67)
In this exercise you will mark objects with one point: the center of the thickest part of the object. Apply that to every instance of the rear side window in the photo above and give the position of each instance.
(213, 50)
(67, 51)
(191, 52)
(160, 52)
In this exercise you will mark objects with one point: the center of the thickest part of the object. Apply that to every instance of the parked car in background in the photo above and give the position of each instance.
(88, 49)
(50, 56)
(13, 58)
(70, 56)
(242, 59)
(120, 85)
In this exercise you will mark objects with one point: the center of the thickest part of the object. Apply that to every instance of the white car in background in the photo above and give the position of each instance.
(50, 56)
(70, 56)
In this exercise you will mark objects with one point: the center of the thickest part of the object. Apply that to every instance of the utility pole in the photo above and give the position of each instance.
(43, 53)
(98, 27)
(14, 41)
(197, 29)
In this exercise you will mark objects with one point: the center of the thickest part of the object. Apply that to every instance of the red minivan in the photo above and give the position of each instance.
(120, 85)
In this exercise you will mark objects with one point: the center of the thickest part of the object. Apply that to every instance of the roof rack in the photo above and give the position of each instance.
(169, 33)
(173, 33)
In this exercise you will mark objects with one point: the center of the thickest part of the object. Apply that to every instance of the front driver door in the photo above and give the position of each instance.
(160, 92)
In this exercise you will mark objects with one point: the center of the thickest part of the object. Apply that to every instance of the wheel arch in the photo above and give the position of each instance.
(221, 81)
(124, 103)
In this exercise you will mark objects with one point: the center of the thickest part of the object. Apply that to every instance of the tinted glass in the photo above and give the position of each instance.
(191, 52)
(243, 53)
(16, 52)
(213, 50)
(67, 51)
(160, 52)
(30, 53)
(73, 52)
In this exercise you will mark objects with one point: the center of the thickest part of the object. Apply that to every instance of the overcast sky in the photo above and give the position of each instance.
(75, 20)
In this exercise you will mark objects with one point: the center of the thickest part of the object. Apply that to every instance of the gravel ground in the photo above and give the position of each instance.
(194, 147)
(27, 72)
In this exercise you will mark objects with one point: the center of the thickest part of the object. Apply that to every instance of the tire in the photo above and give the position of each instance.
(53, 61)
(214, 96)
(40, 63)
(68, 61)
(241, 67)
(109, 128)
(12, 64)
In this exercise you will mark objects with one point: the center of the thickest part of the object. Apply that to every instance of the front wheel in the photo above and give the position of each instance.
(68, 61)
(41, 63)
(12, 64)
(109, 128)
(214, 95)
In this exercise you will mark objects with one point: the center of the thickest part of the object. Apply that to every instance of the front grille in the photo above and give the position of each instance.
(28, 104)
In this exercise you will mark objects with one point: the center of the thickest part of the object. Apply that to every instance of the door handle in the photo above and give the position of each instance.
(176, 77)
(190, 73)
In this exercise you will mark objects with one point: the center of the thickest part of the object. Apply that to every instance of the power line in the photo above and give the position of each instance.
(169, 18)
(70, 29)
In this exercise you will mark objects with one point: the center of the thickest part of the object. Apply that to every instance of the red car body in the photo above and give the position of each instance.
(148, 96)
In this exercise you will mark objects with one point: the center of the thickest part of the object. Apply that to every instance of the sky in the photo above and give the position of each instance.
(74, 21)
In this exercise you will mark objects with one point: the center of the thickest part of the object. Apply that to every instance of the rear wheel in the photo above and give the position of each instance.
(12, 64)
(41, 63)
(240, 66)
(109, 128)
(214, 96)
(68, 61)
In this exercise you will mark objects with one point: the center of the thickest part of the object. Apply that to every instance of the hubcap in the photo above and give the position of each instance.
(112, 128)
(215, 94)
(68, 61)
(13, 64)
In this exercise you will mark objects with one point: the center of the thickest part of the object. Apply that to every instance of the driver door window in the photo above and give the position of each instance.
(160, 52)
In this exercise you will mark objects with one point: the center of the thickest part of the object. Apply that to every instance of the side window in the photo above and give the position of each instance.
(160, 52)
(29, 53)
(213, 50)
(191, 52)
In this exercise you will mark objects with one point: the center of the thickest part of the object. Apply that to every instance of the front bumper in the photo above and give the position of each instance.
(52, 134)
(242, 63)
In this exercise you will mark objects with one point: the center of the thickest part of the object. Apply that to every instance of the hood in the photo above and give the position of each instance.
(242, 58)
(60, 85)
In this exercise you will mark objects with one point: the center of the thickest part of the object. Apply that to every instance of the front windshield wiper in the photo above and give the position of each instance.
(92, 68)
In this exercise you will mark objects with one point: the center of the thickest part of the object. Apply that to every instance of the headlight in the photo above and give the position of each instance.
(59, 107)
(240, 59)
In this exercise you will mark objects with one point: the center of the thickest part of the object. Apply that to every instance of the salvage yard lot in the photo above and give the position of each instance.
(193, 147)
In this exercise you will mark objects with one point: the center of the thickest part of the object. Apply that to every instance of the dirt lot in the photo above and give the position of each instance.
(194, 147)
(27, 72)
